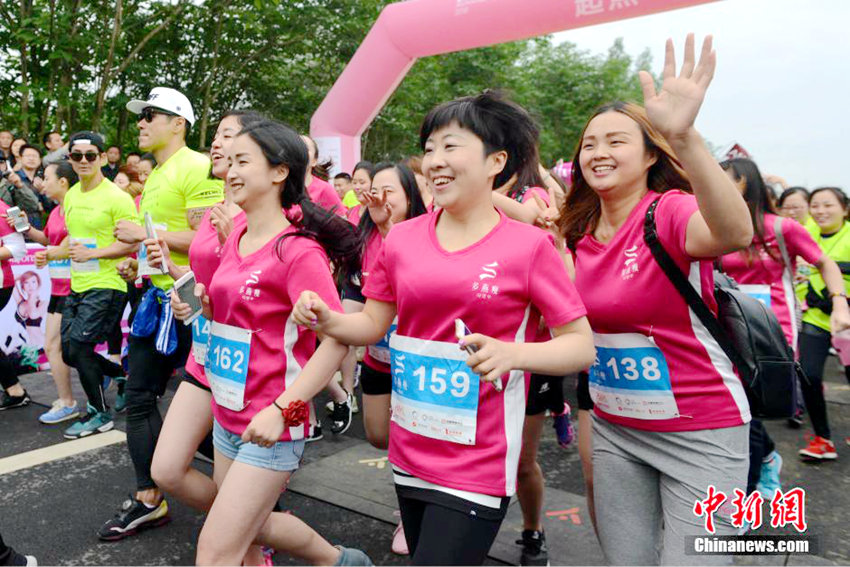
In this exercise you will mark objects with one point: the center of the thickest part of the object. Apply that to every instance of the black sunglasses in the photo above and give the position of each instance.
(90, 156)
(148, 113)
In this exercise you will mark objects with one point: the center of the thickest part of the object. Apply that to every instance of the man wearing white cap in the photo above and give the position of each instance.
(177, 193)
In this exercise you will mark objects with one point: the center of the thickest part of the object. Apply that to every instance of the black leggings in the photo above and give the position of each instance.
(761, 445)
(149, 374)
(5, 552)
(814, 345)
(92, 367)
(8, 374)
(439, 535)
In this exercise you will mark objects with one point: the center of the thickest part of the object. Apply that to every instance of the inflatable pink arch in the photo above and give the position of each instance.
(407, 30)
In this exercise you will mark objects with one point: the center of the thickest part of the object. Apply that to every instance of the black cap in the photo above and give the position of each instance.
(88, 137)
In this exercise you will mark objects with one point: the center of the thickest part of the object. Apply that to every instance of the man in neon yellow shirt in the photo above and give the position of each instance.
(98, 294)
(177, 193)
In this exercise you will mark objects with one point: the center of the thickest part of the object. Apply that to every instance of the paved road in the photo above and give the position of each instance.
(53, 509)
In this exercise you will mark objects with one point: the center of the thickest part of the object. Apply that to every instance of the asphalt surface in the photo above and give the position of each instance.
(53, 509)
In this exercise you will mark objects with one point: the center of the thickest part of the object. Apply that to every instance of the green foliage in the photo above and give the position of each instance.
(275, 56)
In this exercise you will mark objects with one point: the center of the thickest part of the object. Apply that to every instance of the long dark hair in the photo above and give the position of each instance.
(499, 123)
(758, 199)
(281, 145)
(581, 209)
(415, 205)
(792, 191)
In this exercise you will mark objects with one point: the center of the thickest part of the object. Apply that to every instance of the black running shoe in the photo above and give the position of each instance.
(317, 434)
(134, 516)
(534, 550)
(341, 416)
(10, 402)
(17, 559)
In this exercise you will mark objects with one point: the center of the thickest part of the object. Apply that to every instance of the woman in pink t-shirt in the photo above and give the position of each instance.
(255, 351)
(361, 182)
(457, 418)
(670, 412)
(58, 178)
(761, 271)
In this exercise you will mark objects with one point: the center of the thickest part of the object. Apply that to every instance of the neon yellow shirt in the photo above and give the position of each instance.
(350, 199)
(181, 183)
(91, 217)
(836, 247)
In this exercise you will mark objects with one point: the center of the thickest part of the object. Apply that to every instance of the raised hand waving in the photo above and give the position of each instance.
(674, 108)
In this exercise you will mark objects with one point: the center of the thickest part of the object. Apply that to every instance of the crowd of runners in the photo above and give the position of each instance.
(480, 284)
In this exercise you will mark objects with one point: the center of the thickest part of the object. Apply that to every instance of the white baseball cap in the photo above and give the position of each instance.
(166, 99)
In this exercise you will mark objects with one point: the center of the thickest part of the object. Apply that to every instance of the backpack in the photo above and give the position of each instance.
(745, 328)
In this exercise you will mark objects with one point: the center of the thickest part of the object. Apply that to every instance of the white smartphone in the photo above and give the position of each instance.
(151, 233)
(21, 222)
(461, 330)
(185, 290)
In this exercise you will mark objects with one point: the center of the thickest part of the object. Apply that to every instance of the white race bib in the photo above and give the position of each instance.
(92, 265)
(760, 292)
(630, 377)
(226, 364)
(59, 269)
(435, 394)
(200, 339)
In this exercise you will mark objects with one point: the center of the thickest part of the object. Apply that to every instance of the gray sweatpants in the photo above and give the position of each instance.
(646, 483)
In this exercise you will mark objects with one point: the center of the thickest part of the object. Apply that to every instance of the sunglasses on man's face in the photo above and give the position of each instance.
(90, 156)
(149, 113)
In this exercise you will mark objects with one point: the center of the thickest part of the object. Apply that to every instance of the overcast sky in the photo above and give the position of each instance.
(782, 85)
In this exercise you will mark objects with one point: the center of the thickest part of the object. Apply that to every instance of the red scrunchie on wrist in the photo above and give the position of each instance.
(295, 413)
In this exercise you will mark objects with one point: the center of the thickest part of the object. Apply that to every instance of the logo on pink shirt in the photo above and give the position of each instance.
(247, 292)
(630, 266)
(486, 290)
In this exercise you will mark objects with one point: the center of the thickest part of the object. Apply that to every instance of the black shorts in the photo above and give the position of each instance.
(585, 402)
(194, 381)
(545, 393)
(57, 304)
(90, 316)
(375, 382)
(352, 291)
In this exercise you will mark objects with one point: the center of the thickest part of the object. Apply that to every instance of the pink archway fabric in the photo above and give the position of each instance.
(418, 28)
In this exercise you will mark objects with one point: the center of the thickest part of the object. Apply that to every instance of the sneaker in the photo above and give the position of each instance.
(93, 422)
(59, 412)
(534, 550)
(341, 416)
(17, 559)
(769, 481)
(564, 427)
(121, 395)
(348, 556)
(10, 402)
(134, 516)
(819, 449)
(355, 407)
(796, 421)
(399, 546)
(316, 434)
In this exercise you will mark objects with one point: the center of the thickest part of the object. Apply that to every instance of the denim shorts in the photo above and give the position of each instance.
(284, 456)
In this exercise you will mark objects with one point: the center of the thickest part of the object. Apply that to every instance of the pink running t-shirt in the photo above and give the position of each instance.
(498, 286)
(650, 346)
(767, 278)
(354, 214)
(323, 194)
(256, 293)
(370, 255)
(204, 254)
(56, 231)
